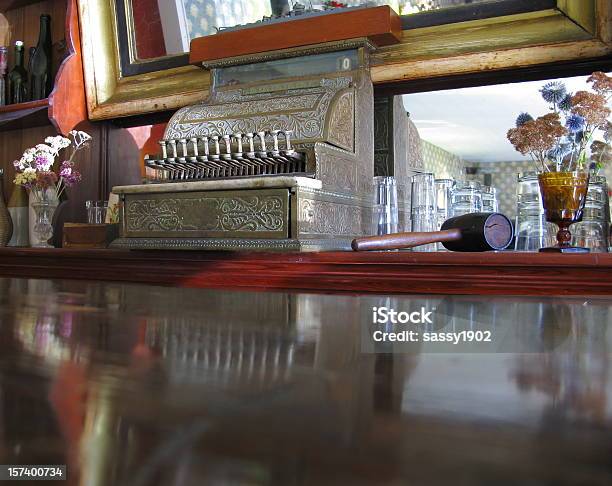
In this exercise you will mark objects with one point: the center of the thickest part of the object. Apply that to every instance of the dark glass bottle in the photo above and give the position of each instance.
(18, 77)
(41, 83)
(30, 57)
(3, 66)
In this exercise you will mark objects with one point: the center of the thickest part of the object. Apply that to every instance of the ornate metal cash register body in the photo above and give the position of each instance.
(280, 157)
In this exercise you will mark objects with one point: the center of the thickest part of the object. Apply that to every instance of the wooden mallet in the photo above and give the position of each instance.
(470, 232)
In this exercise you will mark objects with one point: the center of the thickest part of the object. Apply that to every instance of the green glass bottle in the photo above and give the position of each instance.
(3, 66)
(18, 77)
(41, 83)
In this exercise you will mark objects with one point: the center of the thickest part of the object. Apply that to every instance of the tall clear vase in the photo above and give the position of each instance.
(44, 207)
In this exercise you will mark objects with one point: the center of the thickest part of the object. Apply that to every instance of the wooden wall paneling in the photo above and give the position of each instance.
(12, 145)
(127, 147)
(88, 162)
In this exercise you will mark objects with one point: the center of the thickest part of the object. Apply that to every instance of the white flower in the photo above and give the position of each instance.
(28, 156)
(82, 135)
(19, 165)
(80, 138)
(41, 147)
(58, 142)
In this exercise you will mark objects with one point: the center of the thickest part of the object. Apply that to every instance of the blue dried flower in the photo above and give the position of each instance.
(566, 103)
(578, 136)
(559, 151)
(575, 123)
(522, 119)
(554, 92)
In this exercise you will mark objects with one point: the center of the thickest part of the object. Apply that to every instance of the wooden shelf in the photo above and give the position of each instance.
(24, 106)
(24, 115)
(446, 273)
(65, 108)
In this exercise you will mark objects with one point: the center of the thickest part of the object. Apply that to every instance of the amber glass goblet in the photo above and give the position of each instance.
(564, 196)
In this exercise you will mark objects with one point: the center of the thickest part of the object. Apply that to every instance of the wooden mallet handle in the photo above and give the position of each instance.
(397, 241)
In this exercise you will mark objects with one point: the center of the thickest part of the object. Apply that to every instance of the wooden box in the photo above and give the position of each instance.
(83, 236)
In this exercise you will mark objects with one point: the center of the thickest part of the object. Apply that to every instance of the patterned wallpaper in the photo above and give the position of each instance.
(415, 147)
(204, 15)
(442, 163)
(504, 177)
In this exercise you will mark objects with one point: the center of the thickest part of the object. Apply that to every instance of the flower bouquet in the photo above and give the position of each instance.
(46, 180)
(563, 145)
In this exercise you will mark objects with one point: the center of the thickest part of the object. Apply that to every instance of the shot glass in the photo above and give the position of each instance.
(96, 211)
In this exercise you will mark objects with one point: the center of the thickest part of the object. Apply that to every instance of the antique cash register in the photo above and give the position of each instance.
(281, 154)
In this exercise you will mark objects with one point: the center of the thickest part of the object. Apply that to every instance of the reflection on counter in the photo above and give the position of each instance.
(142, 385)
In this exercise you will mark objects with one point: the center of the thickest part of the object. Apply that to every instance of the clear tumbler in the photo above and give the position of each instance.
(466, 198)
(385, 213)
(424, 211)
(532, 230)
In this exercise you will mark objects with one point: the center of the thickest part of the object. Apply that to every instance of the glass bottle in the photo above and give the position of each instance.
(3, 66)
(18, 77)
(41, 83)
(30, 57)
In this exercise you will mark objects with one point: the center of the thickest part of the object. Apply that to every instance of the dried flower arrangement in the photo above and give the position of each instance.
(35, 169)
(563, 140)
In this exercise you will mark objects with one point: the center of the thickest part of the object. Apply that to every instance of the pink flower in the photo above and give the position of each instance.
(69, 174)
(43, 162)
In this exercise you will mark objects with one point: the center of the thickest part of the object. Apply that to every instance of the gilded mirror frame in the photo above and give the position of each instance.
(563, 30)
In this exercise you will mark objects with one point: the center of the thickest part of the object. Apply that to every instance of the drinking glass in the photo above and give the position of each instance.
(423, 212)
(592, 232)
(532, 230)
(444, 188)
(490, 201)
(466, 198)
(385, 214)
(564, 197)
(96, 211)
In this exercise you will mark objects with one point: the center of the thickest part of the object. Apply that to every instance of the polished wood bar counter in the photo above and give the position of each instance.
(131, 384)
(504, 273)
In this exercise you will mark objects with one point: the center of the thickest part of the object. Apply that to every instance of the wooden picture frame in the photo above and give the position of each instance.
(526, 33)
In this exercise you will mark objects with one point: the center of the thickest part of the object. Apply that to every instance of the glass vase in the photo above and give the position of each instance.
(44, 208)
(564, 197)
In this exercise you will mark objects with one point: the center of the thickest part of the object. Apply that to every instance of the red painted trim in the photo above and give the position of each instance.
(380, 24)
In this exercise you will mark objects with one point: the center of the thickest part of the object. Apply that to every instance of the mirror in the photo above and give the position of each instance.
(461, 134)
(166, 27)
